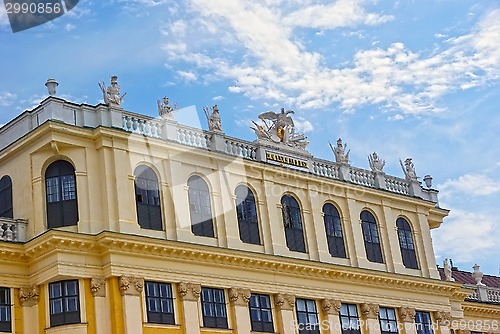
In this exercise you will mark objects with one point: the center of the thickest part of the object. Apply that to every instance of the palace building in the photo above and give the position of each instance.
(116, 222)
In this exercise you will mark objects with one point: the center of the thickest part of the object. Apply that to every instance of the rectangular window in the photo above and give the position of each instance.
(213, 304)
(68, 187)
(423, 322)
(307, 316)
(349, 319)
(64, 303)
(5, 307)
(53, 192)
(261, 314)
(160, 303)
(387, 319)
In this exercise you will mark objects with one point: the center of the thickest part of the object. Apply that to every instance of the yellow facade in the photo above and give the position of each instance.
(111, 257)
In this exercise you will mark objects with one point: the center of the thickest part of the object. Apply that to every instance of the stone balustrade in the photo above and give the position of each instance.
(83, 115)
(484, 294)
(13, 229)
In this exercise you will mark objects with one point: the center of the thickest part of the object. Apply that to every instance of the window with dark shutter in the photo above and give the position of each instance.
(213, 305)
(64, 303)
(349, 319)
(61, 195)
(200, 207)
(261, 315)
(371, 237)
(292, 221)
(147, 198)
(5, 310)
(333, 228)
(246, 211)
(387, 320)
(160, 303)
(406, 244)
(6, 197)
(307, 316)
(423, 322)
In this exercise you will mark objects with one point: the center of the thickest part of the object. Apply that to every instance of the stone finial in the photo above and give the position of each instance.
(376, 164)
(284, 301)
(111, 94)
(213, 119)
(442, 317)
(408, 169)
(131, 285)
(189, 291)
(407, 314)
(239, 297)
(51, 85)
(98, 286)
(29, 295)
(477, 275)
(341, 156)
(447, 271)
(165, 110)
(330, 306)
(370, 311)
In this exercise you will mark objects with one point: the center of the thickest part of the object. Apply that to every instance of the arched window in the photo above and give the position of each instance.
(147, 198)
(200, 207)
(60, 182)
(370, 235)
(406, 244)
(247, 215)
(6, 197)
(292, 221)
(333, 228)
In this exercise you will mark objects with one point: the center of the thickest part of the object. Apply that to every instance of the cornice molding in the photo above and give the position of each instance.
(481, 308)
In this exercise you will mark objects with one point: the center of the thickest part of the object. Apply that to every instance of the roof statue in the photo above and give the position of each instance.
(447, 271)
(165, 110)
(376, 164)
(111, 94)
(213, 119)
(279, 128)
(408, 169)
(477, 275)
(341, 156)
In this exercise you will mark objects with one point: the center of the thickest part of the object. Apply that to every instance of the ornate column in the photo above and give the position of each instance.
(98, 290)
(443, 319)
(331, 309)
(29, 296)
(190, 294)
(285, 305)
(239, 299)
(369, 313)
(407, 318)
(131, 290)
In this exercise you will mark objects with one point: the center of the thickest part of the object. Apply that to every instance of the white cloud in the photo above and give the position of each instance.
(4, 19)
(218, 98)
(470, 184)
(302, 125)
(187, 75)
(68, 27)
(466, 236)
(6, 99)
(255, 47)
(341, 13)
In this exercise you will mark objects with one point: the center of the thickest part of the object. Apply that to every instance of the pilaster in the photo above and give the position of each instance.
(330, 309)
(369, 313)
(407, 318)
(98, 290)
(29, 296)
(443, 320)
(190, 295)
(239, 299)
(285, 306)
(131, 290)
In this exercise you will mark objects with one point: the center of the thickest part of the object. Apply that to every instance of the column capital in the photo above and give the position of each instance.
(29, 295)
(239, 297)
(442, 317)
(407, 314)
(189, 291)
(284, 301)
(131, 285)
(330, 306)
(98, 286)
(369, 311)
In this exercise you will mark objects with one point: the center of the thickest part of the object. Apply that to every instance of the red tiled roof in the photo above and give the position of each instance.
(465, 277)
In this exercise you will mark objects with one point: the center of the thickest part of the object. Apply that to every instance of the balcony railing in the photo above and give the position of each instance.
(13, 229)
(484, 294)
(84, 115)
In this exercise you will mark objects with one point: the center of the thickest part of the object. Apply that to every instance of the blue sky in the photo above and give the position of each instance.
(416, 79)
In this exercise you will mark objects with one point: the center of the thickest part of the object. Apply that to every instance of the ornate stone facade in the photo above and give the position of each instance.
(131, 285)
(239, 296)
(189, 291)
(369, 311)
(29, 295)
(406, 314)
(330, 306)
(98, 286)
(284, 301)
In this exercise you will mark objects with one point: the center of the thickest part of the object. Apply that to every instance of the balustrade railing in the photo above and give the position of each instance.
(241, 148)
(193, 137)
(397, 185)
(362, 177)
(13, 229)
(325, 169)
(147, 126)
(484, 294)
